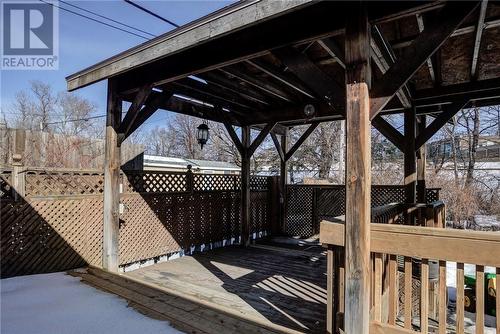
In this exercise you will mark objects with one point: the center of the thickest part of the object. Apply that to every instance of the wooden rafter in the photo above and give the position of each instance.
(301, 140)
(281, 76)
(326, 88)
(435, 34)
(477, 40)
(263, 85)
(448, 112)
(384, 57)
(430, 66)
(333, 49)
(223, 82)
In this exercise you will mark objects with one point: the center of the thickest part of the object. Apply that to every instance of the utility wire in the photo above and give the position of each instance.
(95, 20)
(107, 18)
(130, 2)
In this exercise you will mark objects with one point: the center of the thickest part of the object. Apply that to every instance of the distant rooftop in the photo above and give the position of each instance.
(155, 161)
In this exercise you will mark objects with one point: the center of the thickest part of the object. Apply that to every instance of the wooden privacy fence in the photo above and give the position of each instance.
(55, 221)
(392, 309)
(308, 205)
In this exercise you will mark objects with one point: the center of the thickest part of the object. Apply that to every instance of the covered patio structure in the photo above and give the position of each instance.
(271, 65)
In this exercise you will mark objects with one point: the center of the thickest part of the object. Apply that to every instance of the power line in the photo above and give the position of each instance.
(130, 2)
(95, 20)
(107, 18)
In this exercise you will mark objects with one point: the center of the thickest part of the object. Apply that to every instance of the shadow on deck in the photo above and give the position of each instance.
(282, 286)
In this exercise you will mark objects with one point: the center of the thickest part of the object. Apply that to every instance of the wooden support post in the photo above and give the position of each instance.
(110, 249)
(358, 175)
(245, 186)
(283, 181)
(421, 163)
(410, 163)
(18, 175)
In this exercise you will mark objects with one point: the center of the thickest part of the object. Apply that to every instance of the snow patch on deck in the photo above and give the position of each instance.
(59, 303)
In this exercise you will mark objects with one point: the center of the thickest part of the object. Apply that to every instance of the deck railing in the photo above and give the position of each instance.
(427, 245)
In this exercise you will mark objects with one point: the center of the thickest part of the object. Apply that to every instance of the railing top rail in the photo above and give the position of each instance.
(475, 247)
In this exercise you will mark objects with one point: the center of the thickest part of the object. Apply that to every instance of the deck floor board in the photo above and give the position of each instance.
(284, 287)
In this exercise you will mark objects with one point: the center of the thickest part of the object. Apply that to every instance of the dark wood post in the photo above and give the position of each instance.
(245, 186)
(358, 174)
(110, 250)
(421, 162)
(410, 161)
(283, 181)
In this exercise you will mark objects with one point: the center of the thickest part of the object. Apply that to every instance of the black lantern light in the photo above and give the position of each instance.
(202, 134)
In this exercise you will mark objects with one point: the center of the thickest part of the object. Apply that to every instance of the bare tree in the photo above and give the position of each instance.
(74, 112)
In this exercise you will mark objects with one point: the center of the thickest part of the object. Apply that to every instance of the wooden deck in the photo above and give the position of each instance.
(273, 285)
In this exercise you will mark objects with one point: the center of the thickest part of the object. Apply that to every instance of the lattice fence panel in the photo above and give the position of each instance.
(58, 183)
(382, 195)
(299, 211)
(330, 202)
(307, 205)
(6, 190)
(59, 224)
(259, 212)
(216, 182)
(154, 182)
(50, 235)
(158, 224)
(432, 195)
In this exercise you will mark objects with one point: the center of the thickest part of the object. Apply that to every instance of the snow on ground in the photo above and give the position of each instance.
(451, 283)
(59, 303)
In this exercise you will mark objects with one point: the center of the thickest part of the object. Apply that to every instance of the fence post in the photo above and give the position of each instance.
(189, 181)
(274, 202)
(18, 172)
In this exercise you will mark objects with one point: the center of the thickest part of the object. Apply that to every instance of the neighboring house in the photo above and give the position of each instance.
(159, 163)
(488, 148)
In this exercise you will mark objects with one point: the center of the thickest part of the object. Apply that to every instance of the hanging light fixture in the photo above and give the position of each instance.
(202, 134)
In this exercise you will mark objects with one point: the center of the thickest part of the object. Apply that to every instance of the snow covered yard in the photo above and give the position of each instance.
(59, 303)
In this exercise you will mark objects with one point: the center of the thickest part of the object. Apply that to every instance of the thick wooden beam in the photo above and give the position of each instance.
(477, 41)
(245, 187)
(111, 224)
(410, 163)
(325, 87)
(421, 161)
(384, 57)
(150, 107)
(435, 34)
(134, 109)
(389, 132)
(449, 111)
(277, 144)
(301, 140)
(260, 137)
(430, 65)
(472, 90)
(283, 181)
(281, 76)
(234, 137)
(358, 174)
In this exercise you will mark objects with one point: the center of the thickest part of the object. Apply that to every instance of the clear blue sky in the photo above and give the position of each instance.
(82, 43)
